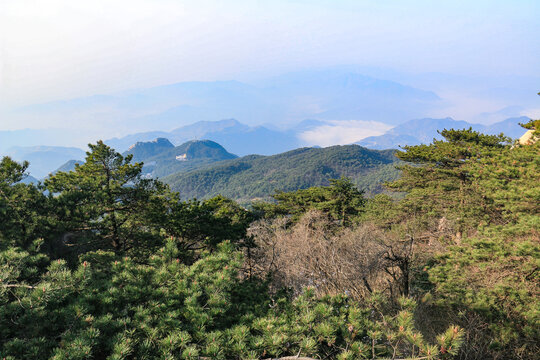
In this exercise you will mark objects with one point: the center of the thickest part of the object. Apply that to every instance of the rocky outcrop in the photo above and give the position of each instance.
(528, 138)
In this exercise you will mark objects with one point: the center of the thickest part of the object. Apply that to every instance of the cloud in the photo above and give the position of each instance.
(343, 132)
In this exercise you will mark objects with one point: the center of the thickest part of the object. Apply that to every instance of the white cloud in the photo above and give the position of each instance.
(343, 132)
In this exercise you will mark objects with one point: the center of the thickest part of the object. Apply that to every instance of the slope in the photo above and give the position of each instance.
(253, 176)
(423, 131)
(188, 156)
(44, 159)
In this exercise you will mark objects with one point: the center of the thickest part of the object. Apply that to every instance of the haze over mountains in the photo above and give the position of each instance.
(324, 94)
(364, 101)
(204, 168)
(238, 138)
(44, 159)
(229, 138)
(423, 131)
(332, 106)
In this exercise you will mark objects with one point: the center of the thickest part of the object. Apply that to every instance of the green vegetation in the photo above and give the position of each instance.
(341, 201)
(101, 262)
(105, 200)
(193, 155)
(258, 177)
(22, 206)
(464, 240)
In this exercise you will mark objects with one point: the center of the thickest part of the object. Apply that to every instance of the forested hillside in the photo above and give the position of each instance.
(188, 156)
(254, 176)
(102, 262)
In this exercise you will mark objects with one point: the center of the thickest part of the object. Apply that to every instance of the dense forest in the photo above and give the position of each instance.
(104, 263)
(257, 177)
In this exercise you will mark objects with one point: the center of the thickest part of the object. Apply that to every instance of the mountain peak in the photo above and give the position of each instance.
(188, 156)
(161, 142)
(142, 150)
(202, 149)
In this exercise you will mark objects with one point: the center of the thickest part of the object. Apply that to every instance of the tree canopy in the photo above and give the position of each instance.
(105, 202)
(102, 262)
(341, 201)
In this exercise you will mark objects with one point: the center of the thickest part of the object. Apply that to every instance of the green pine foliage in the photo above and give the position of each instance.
(22, 207)
(118, 308)
(439, 182)
(204, 224)
(106, 203)
(489, 188)
(341, 201)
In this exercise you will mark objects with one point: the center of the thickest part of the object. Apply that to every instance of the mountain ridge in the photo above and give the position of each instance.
(142, 150)
(44, 159)
(235, 136)
(423, 131)
(329, 94)
(256, 176)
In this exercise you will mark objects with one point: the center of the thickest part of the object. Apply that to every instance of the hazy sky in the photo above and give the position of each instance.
(58, 49)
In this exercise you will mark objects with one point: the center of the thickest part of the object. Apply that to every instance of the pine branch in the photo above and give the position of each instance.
(17, 286)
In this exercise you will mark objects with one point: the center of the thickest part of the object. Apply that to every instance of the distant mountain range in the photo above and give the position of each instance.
(32, 138)
(236, 137)
(161, 158)
(203, 168)
(244, 140)
(332, 106)
(423, 131)
(327, 94)
(44, 159)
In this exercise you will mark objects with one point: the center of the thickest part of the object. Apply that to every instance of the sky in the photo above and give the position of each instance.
(61, 49)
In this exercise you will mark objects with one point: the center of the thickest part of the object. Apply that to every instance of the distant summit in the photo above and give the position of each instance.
(423, 131)
(144, 150)
(159, 142)
(44, 159)
(29, 179)
(197, 150)
(233, 135)
(160, 157)
(188, 156)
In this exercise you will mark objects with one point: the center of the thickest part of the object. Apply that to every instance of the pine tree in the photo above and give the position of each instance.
(117, 307)
(489, 187)
(439, 181)
(341, 201)
(106, 203)
(22, 206)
